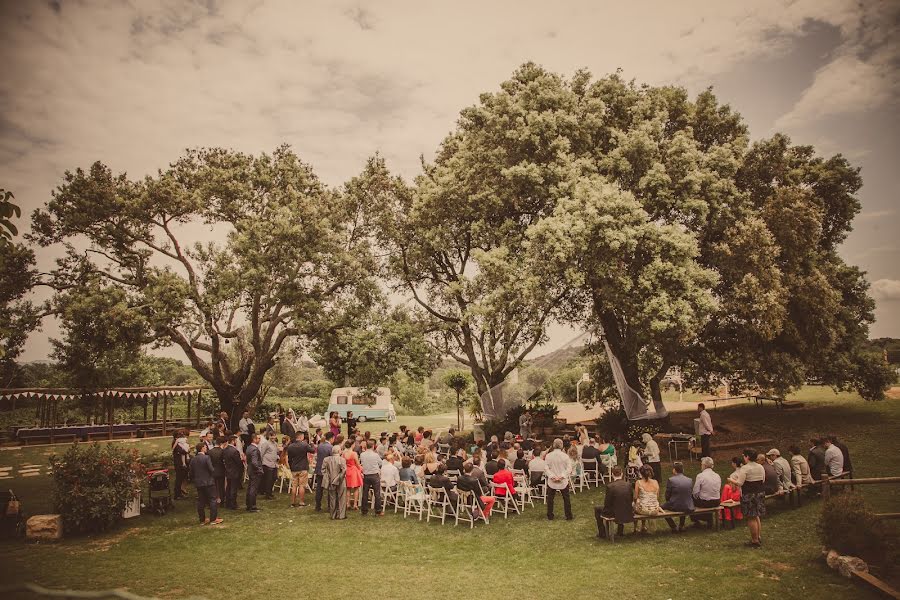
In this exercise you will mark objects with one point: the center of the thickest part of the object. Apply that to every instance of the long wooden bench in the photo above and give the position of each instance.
(610, 522)
(737, 444)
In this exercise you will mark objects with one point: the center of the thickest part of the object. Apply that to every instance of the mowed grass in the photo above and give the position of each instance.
(304, 554)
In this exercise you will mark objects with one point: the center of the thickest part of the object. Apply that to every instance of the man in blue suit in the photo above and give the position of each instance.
(679, 496)
(204, 478)
(322, 452)
(254, 472)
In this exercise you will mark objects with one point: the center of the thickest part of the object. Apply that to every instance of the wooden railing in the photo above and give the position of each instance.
(827, 483)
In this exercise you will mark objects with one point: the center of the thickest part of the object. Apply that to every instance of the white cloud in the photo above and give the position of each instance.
(886, 289)
(861, 75)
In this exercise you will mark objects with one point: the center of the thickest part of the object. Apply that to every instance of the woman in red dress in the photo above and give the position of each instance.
(354, 476)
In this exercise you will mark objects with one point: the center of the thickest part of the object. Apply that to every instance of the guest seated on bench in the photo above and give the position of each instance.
(646, 496)
(816, 459)
(707, 490)
(679, 496)
(834, 458)
(771, 485)
(799, 468)
(782, 468)
(618, 504)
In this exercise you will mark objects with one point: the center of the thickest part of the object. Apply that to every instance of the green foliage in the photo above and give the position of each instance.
(18, 316)
(296, 262)
(377, 348)
(871, 375)
(847, 524)
(458, 381)
(8, 210)
(102, 337)
(613, 424)
(93, 483)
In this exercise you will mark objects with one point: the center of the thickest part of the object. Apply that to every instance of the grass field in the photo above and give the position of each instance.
(524, 556)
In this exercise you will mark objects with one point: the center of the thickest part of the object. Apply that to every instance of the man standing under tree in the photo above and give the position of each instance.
(254, 472)
(371, 468)
(706, 430)
(234, 471)
(298, 460)
(558, 466)
(323, 451)
(202, 474)
(216, 455)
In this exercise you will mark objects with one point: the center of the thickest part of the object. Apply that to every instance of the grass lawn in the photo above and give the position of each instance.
(524, 556)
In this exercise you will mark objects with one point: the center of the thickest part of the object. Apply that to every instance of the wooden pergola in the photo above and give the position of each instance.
(49, 399)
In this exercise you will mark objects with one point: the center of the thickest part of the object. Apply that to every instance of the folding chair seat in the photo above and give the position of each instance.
(506, 501)
(438, 505)
(414, 499)
(466, 508)
(590, 471)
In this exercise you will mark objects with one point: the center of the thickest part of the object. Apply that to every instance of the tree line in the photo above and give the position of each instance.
(632, 211)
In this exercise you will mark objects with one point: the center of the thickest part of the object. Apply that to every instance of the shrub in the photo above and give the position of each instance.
(93, 483)
(848, 525)
(613, 423)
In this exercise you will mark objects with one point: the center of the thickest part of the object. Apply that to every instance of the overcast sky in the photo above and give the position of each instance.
(133, 84)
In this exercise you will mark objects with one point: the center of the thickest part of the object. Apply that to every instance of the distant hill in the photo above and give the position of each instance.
(553, 361)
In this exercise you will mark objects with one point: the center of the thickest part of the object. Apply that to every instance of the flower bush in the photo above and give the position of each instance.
(93, 483)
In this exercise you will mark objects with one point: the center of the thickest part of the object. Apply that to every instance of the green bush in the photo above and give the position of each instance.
(613, 423)
(93, 483)
(848, 525)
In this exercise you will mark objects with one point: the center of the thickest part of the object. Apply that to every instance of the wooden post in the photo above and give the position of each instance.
(199, 396)
(826, 489)
(110, 396)
(145, 409)
(52, 417)
(189, 407)
(155, 405)
(165, 406)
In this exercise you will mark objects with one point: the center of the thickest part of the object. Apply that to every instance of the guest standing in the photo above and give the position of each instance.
(234, 471)
(334, 476)
(268, 450)
(751, 478)
(298, 460)
(651, 455)
(254, 472)
(706, 430)
(558, 467)
(216, 456)
(354, 476)
(180, 458)
(204, 480)
(371, 474)
(323, 451)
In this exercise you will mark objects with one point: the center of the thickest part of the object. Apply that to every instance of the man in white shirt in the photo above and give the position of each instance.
(246, 428)
(706, 430)
(557, 469)
(707, 491)
(390, 474)
(536, 467)
(268, 450)
(371, 468)
(834, 458)
(782, 467)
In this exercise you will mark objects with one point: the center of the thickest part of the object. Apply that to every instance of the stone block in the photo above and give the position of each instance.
(44, 528)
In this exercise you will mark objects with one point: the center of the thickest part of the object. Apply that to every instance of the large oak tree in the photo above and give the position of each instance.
(290, 259)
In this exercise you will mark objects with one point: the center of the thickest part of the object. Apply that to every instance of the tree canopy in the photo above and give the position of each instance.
(295, 264)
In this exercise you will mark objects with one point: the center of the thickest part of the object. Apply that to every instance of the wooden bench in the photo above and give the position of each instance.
(610, 522)
(738, 444)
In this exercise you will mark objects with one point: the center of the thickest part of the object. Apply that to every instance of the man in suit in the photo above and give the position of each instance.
(254, 472)
(479, 476)
(215, 455)
(323, 451)
(590, 451)
(616, 504)
(202, 473)
(679, 496)
(234, 471)
(467, 483)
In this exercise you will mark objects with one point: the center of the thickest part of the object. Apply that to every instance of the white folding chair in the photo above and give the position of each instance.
(590, 471)
(523, 488)
(607, 462)
(504, 501)
(284, 476)
(453, 475)
(466, 508)
(539, 490)
(438, 505)
(443, 451)
(389, 496)
(414, 499)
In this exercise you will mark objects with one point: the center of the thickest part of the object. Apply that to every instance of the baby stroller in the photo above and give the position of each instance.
(160, 495)
(12, 518)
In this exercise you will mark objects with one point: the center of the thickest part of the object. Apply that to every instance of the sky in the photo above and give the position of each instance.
(133, 84)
